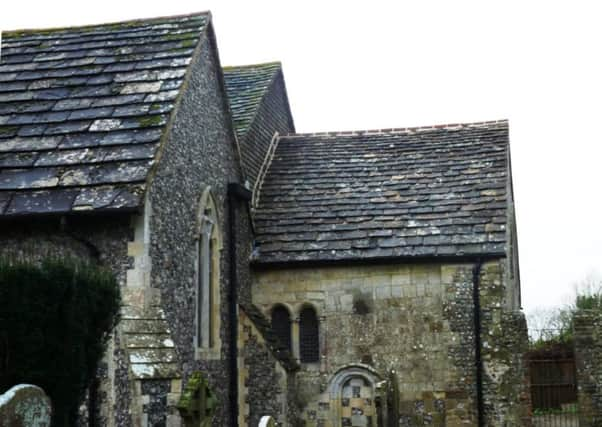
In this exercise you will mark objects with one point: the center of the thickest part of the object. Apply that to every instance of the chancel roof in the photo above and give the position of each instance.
(416, 192)
(82, 111)
(246, 85)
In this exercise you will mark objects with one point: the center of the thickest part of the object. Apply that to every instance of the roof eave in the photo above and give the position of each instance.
(72, 213)
(260, 265)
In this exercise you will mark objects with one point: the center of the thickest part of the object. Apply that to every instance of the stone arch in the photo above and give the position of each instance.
(206, 202)
(305, 304)
(355, 369)
(267, 311)
(354, 393)
(281, 323)
(309, 335)
(208, 235)
(48, 245)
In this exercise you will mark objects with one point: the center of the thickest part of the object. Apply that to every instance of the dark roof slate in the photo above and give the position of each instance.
(416, 192)
(246, 85)
(82, 111)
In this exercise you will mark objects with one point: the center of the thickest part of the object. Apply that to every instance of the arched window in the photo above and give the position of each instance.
(281, 325)
(309, 336)
(208, 267)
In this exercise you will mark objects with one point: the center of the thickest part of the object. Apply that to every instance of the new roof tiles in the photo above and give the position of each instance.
(82, 111)
(440, 191)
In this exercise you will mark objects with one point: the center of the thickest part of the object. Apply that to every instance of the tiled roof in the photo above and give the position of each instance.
(82, 111)
(416, 192)
(245, 86)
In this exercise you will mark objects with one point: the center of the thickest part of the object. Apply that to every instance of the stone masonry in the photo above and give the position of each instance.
(416, 320)
(111, 135)
(588, 357)
(260, 375)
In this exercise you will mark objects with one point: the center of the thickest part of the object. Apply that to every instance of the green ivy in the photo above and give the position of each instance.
(55, 321)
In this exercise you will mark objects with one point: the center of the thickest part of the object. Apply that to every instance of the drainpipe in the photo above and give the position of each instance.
(236, 192)
(476, 299)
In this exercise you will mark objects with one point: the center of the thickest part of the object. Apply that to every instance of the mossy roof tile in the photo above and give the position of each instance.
(66, 91)
(246, 85)
(416, 192)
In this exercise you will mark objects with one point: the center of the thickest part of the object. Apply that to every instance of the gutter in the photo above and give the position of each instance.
(236, 192)
(476, 299)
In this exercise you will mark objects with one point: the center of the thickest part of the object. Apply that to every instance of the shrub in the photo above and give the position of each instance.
(554, 327)
(55, 320)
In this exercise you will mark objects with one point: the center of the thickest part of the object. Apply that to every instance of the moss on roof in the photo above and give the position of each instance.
(132, 23)
(77, 91)
(246, 85)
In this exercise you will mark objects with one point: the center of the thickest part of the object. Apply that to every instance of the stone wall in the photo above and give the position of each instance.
(504, 346)
(588, 358)
(200, 152)
(153, 257)
(415, 320)
(100, 239)
(263, 381)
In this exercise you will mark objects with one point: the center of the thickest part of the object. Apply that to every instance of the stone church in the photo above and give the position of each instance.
(365, 278)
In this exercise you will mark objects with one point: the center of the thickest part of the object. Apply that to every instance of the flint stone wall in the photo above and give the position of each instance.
(200, 151)
(588, 358)
(504, 343)
(264, 384)
(416, 320)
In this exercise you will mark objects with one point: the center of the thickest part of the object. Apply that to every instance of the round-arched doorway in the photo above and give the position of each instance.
(354, 397)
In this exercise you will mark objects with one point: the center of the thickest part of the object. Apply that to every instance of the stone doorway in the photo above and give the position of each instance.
(357, 403)
(354, 397)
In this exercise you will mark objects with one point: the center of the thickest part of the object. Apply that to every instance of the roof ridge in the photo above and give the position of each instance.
(27, 31)
(265, 91)
(257, 65)
(402, 130)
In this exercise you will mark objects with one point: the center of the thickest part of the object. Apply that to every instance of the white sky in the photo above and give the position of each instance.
(366, 65)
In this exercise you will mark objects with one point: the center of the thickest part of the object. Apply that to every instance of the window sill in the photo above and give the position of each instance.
(213, 353)
(310, 366)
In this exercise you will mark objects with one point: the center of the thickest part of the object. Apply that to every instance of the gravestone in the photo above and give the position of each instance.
(25, 405)
(267, 421)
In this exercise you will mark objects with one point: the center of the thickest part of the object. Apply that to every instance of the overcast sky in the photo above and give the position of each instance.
(365, 65)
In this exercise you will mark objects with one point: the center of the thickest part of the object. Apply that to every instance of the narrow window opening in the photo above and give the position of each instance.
(309, 336)
(281, 325)
(207, 281)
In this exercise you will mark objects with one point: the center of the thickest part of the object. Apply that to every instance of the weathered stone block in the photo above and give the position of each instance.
(383, 292)
(420, 323)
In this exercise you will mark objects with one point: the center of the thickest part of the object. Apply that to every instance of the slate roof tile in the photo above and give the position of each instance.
(82, 111)
(439, 191)
(39, 202)
(246, 86)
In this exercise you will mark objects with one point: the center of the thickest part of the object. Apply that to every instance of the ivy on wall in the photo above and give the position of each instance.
(55, 320)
